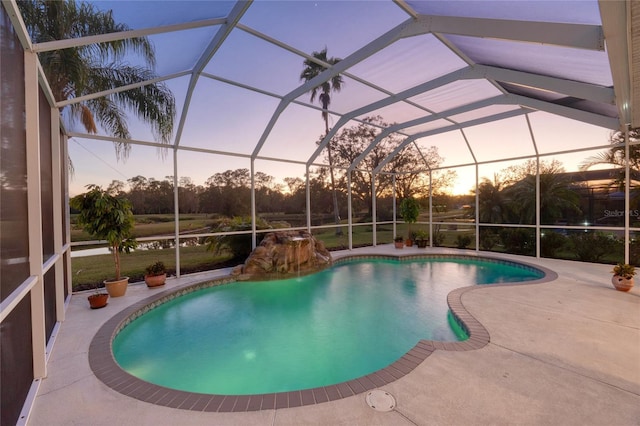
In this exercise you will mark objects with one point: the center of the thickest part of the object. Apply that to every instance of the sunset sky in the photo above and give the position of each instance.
(231, 118)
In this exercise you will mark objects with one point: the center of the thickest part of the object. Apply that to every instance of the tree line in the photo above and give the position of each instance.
(228, 193)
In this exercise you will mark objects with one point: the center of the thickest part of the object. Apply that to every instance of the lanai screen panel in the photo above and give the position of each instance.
(456, 94)
(555, 61)
(139, 130)
(295, 134)
(583, 12)
(451, 146)
(140, 14)
(266, 53)
(554, 133)
(352, 95)
(200, 166)
(407, 63)
(484, 113)
(398, 113)
(94, 162)
(175, 51)
(432, 126)
(227, 118)
(341, 27)
(249, 60)
(511, 135)
(180, 50)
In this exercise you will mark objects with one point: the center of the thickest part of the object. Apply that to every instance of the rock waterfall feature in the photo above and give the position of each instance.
(282, 254)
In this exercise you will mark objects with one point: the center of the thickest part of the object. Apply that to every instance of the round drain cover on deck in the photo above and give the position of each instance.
(380, 400)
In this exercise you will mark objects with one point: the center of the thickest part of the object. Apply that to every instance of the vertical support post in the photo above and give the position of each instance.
(627, 201)
(477, 215)
(475, 161)
(349, 212)
(535, 147)
(537, 206)
(69, 277)
(430, 208)
(67, 212)
(253, 205)
(176, 210)
(32, 119)
(308, 200)
(58, 211)
(374, 210)
(393, 180)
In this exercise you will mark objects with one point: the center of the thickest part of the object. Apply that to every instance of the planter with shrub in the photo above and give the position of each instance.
(155, 274)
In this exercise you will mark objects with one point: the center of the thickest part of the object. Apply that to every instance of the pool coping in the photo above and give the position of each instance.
(106, 369)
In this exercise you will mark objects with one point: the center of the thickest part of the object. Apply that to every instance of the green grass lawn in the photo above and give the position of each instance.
(157, 225)
(90, 270)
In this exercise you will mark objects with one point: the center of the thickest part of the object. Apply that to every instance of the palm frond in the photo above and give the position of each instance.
(87, 119)
(608, 157)
(88, 69)
(152, 103)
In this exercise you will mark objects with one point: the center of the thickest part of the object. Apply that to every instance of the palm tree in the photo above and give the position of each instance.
(79, 71)
(615, 156)
(556, 198)
(311, 70)
(493, 204)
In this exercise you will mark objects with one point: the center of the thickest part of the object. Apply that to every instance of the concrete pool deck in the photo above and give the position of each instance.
(562, 352)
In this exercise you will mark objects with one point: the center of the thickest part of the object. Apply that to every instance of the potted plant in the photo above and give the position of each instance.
(109, 218)
(622, 278)
(422, 238)
(398, 242)
(409, 210)
(156, 274)
(98, 299)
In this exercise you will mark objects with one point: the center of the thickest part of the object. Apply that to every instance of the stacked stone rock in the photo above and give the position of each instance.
(285, 253)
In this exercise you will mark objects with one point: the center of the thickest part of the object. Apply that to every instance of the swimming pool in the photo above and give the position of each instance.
(250, 338)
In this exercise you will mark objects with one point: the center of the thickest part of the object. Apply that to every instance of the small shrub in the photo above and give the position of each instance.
(238, 245)
(409, 210)
(624, 270)
(155, 269)
(550, 243)
(518, 240)
(488, 239)
(593, 246)
(421, 234)
(438, 237)
(462, 241)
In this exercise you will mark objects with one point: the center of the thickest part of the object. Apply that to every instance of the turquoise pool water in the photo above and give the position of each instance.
(273, 336)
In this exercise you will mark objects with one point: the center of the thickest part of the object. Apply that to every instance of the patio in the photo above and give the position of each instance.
(468, 88)
(562, 352)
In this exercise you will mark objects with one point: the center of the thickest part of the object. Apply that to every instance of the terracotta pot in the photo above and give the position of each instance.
(622, 283)
(409, 243)
(399, 244)
(117, 288)
(99, 300)
(155, 280)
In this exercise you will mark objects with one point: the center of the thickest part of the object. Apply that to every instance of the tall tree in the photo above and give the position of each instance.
(228, 193)
(493, 206)
(557, 199)
(79, 71)
(615, 156)
(350, 142)
(312, 69)
(188, 195)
